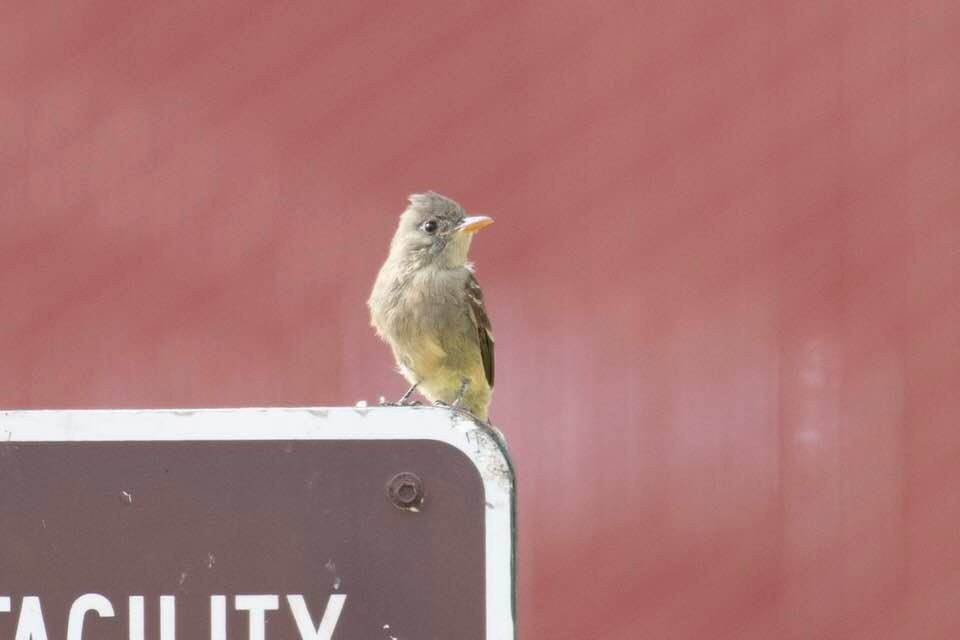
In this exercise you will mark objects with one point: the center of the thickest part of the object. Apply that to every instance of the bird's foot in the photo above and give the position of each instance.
(464, 383)
(404, 400)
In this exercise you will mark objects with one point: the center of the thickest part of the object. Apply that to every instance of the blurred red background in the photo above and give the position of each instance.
(723, 278)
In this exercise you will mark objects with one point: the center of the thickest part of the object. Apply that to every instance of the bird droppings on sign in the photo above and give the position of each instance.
(331, 566)
(183, 578)
(127, 497)
(211, 560)
(486, 443)
(361, 408)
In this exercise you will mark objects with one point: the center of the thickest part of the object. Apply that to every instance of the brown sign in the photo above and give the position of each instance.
(281, 524)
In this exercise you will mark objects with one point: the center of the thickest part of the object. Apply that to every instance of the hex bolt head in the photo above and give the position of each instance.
(405, 491)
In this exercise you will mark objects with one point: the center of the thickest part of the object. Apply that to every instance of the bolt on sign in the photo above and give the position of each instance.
(388, 523)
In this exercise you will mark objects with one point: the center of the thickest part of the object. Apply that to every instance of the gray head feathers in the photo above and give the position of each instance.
(427, 232)
(423, 206)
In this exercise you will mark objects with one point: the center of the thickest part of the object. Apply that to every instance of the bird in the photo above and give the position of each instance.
(427, 305)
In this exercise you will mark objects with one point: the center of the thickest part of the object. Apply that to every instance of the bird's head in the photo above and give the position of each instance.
(435, 230)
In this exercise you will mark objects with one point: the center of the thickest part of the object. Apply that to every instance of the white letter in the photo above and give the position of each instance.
(256, 605)
(30, 623)
(327, 624)
(168, 617)
(135, 612)
(218, 617)
(4, 604)
(79, 608)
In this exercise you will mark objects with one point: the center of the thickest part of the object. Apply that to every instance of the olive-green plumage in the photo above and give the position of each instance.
(427, 305)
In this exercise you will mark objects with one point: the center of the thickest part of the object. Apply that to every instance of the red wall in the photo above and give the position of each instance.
(723, 278)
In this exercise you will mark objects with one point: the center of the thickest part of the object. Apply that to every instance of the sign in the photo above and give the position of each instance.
(389, 523)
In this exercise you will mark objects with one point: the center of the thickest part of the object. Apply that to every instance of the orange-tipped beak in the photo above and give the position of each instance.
(472, 224)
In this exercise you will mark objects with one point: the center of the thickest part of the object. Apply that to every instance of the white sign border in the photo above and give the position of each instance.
(477, 442)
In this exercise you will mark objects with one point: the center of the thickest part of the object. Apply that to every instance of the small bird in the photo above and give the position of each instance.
(427, 305)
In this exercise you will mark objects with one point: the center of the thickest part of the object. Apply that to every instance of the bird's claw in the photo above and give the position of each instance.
(464, 383)
(404, 400)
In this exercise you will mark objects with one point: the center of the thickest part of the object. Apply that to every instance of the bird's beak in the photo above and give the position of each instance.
(472, 224)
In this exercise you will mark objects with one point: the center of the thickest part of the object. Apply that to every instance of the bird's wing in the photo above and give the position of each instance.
(482, 321)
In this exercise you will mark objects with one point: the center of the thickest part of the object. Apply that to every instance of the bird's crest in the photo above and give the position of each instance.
(435, 202)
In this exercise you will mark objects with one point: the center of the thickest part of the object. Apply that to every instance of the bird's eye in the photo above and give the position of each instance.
(430, 226)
